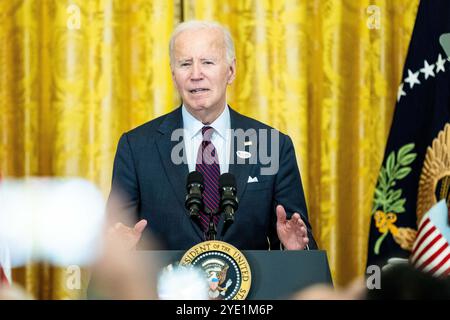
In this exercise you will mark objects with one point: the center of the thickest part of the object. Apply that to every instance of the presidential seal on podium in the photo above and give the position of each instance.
(226, 268)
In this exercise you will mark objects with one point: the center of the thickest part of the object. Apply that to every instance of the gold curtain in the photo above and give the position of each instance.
(75, 74)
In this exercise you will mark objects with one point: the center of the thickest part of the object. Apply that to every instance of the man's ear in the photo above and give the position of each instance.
(232, 71)
(172, 73)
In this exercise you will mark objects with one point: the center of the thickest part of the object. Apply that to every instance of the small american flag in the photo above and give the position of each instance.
(5, 266)
(431, 250)
(3, 279)
(5, 263)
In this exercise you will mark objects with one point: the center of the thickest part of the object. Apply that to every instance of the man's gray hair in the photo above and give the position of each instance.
(199, 24)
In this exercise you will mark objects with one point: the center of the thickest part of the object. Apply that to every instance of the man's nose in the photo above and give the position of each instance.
(197, 73)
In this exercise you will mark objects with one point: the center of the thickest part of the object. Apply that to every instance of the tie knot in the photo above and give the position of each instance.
(207, 132)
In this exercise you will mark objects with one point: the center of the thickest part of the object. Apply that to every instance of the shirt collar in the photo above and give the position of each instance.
(192, 126)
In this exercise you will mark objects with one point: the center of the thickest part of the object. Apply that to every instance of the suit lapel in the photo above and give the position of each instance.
(176, 173)
(240, 170)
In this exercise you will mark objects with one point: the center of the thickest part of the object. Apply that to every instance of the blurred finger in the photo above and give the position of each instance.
(300, 221)
(140, 226)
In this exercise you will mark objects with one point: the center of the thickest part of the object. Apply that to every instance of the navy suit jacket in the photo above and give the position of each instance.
(154, 187)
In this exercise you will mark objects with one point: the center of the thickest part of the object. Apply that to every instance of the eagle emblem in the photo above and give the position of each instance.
(216, 273)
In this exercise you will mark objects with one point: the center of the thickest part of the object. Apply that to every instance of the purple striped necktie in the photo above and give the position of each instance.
(208, 165)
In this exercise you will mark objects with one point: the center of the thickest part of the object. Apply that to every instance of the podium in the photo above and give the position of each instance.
(275, 274)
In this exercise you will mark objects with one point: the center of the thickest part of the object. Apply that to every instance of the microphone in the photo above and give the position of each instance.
(194, 201)
(228, 198)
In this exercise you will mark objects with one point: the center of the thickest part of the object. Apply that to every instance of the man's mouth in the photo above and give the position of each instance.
(198, 90)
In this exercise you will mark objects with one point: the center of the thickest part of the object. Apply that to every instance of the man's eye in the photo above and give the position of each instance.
(208, 62)
(185, 64)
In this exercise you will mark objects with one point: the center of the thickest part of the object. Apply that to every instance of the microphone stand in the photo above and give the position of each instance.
(212, 230)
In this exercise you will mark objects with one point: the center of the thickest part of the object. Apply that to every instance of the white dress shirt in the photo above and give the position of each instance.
(220, 138)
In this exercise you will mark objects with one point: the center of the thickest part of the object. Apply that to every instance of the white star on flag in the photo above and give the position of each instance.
(412, 78)
(440, 64)
(400, 92)
(427, 69)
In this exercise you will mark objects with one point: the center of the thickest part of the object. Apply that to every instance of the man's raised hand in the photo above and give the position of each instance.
(292, 233)
(128, 237)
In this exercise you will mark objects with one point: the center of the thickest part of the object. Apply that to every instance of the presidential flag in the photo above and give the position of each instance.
(414, 174)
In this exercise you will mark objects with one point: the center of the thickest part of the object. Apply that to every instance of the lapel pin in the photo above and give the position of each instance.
(243, 154)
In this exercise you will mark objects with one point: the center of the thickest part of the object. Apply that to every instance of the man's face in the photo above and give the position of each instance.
(200, 71)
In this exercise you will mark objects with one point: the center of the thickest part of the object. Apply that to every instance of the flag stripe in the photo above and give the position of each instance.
(423, 228)
(443, 270)
(425, 239)
(423, 225)
(445, 262)
(427, 243)
(429, 250)
(446, 272)
(433, 256)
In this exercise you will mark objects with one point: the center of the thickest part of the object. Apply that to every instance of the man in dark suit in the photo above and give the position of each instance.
(206, 135)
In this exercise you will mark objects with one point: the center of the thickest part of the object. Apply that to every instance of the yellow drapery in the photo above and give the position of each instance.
(75, 74)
